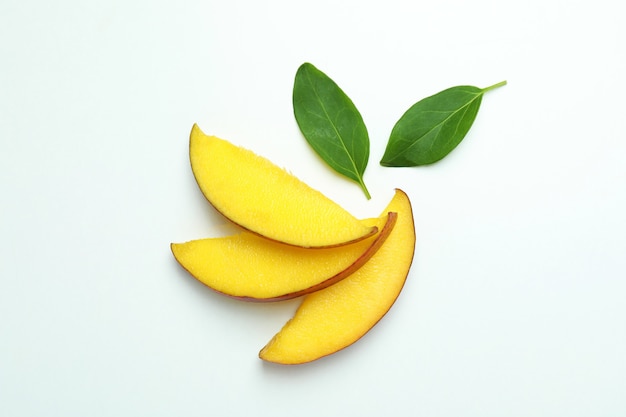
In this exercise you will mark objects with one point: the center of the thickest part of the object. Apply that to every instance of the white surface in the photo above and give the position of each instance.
(515, 303)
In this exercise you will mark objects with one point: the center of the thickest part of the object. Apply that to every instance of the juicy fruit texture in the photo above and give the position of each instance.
(335, 317)
(267, 200)
(249, 267)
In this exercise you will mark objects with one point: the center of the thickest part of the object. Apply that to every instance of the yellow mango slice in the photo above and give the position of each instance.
(335, 317)
(252, 268)
(267, 200)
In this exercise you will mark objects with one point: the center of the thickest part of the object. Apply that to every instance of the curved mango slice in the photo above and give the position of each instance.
(267, 200)
(251, 268)
(335, 317)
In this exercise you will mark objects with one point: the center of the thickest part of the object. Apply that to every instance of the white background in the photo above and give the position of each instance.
(515, 304)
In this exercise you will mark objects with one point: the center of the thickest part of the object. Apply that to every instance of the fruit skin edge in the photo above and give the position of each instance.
(196, 131)
(392, 302)
(349, 270)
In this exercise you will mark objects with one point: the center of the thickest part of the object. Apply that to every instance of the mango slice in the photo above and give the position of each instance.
(251, 268)
(267, 200)
(336, 317)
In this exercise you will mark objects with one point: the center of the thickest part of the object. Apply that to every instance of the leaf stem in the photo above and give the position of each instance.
(493, 87)
(364, 188)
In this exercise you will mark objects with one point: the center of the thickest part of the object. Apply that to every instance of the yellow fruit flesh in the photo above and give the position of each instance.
(267, 200)
(252, 268)
(334, 318)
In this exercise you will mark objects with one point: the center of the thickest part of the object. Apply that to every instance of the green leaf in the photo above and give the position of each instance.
(331, 123)
(434, 126)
